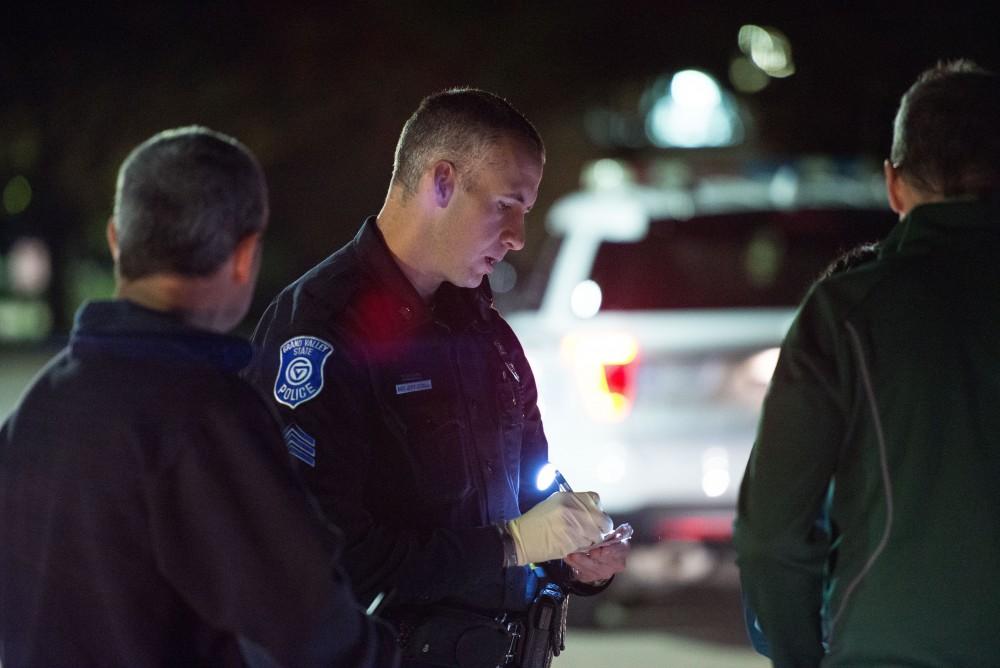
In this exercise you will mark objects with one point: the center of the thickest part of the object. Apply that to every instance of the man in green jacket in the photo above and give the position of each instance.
(889, 385)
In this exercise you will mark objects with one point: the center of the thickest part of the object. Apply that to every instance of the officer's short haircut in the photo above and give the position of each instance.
(945, 138)
(459, 125)
(184, 199)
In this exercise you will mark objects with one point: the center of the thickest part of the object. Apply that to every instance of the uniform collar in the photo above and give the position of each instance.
(121, 327)
(947, 223)
(407, 308)
(453, 306)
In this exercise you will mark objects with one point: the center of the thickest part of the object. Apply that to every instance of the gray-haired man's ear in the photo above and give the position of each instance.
(245, 258)
(112, 236)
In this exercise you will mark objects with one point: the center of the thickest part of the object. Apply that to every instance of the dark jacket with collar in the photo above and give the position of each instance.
(417, 431)
(887, 384)
(149, 517)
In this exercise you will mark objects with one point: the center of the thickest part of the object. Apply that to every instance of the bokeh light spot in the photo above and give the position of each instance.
(16, 195)
(585, 300)
(747, 77)
(768, 48)
(29, 267)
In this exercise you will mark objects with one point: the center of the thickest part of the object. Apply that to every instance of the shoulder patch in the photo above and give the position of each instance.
(300, 371)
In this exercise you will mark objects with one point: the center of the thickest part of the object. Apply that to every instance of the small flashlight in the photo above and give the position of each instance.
(549, 474)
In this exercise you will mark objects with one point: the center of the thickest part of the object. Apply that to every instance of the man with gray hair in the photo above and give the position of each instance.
(148, 512)
(887, 385)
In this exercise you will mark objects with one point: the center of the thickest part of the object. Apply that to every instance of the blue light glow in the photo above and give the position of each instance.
(546, 477)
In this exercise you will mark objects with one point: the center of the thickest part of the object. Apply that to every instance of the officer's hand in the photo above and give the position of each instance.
(565, 522)
(598, 564)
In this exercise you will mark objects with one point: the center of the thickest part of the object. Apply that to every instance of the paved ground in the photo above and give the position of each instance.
(650, 649)
(695, 626)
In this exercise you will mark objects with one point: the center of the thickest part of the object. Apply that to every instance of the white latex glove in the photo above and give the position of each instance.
(564, 523)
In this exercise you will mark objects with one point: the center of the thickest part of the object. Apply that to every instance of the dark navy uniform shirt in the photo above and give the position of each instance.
(415, 425)
(148, 515)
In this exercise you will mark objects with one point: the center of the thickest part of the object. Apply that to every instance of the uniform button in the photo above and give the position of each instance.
(489, 467)
(406, 312)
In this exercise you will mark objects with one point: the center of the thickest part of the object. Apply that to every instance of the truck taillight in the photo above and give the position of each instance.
(605, 367)
(714, 528)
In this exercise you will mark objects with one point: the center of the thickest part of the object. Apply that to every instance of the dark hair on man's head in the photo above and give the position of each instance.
(945, 139)
(184, 199)
(459, 125)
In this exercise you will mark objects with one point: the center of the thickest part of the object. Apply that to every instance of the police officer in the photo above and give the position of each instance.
(410, 405)
(148, 515)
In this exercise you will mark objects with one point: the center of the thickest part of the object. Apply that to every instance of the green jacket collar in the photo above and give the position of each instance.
(943, 224)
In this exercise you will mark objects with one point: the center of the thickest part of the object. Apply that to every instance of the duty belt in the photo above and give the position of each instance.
(447, 636)
(455, 637)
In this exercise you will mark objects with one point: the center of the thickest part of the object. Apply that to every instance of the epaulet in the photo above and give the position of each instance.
(330, 286)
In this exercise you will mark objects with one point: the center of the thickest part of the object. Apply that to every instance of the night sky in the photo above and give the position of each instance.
(320, 92)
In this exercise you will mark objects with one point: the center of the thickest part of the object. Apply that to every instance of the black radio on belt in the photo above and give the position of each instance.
(544, 629)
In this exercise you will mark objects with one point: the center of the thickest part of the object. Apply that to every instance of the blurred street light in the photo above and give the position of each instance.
(693, 112)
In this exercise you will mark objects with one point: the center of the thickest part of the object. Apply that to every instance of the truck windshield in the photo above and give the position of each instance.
(736, 260)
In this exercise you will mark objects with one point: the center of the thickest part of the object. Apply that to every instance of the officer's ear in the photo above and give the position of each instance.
(444, 181)
(112, 236)
(245, 258)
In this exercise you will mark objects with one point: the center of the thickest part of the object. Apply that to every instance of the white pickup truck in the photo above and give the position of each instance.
(659, 329)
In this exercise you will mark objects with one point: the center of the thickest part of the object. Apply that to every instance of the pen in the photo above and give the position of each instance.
(561, 481)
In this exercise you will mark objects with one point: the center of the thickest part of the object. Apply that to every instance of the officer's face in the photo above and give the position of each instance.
(487, 213)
